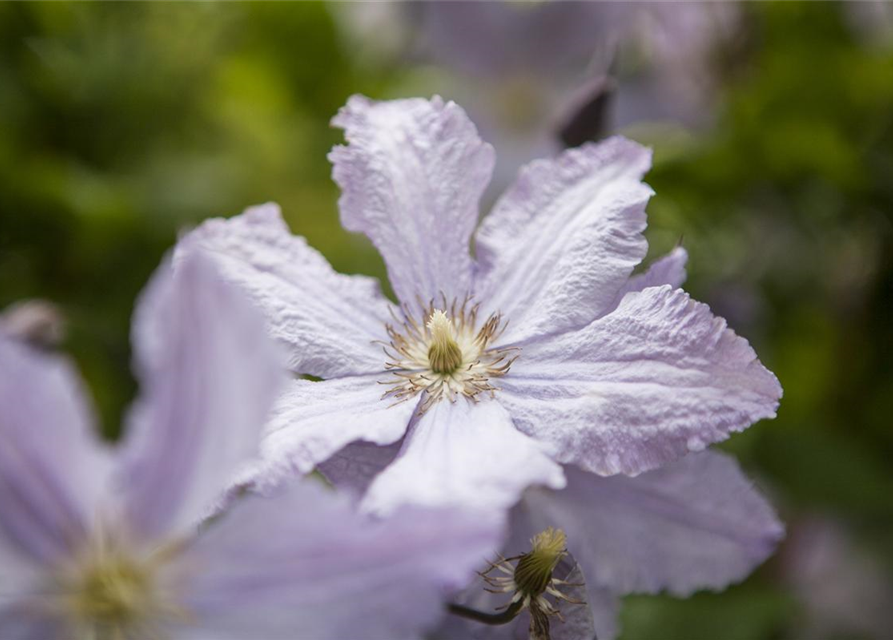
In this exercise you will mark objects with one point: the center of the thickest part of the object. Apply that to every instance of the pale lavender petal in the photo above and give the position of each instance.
(206, 391)
(19, 620)
(356, 465)
(670, 269)
(656, 378)
(52, 465)
(596, 619)
(697, 523)
(306, 564)
(411, 178)
(502, 42)
(463, 454)
(312, 421)
(328, 321)
(564, 239)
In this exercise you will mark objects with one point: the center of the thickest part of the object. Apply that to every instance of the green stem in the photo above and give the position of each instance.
(487, 618)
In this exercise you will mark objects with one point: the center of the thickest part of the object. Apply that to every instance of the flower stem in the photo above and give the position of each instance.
(487, 618)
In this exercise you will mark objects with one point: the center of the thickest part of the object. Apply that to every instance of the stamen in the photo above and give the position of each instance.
(534, 570)
(444, 354)
(110, 593)
(529, 581)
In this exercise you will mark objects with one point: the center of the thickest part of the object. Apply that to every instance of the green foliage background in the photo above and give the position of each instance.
(124, 123)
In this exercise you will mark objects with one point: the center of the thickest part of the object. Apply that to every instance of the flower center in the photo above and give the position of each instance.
(531, 579)
(444, 354)
(109, 593)
(112, 593)
(534, 569)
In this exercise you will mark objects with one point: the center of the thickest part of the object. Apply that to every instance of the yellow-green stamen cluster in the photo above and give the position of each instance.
(533, 573)
(531, 579)
(111, 592)
(445, 354)
(111, 596)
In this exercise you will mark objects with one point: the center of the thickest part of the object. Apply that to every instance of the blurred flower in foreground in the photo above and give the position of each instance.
(541, 351)
(102, 545)
(37, 322)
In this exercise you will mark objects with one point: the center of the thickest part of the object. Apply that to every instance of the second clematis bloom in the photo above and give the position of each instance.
(103, 544)
(539, 350)
(696, 523)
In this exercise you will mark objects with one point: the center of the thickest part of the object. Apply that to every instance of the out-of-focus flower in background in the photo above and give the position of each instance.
(842, 591)
(103, 544)
(539, 76)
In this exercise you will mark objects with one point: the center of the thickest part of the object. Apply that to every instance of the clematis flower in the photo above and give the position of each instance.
(103, 544)
(540, 350)
(697, 523)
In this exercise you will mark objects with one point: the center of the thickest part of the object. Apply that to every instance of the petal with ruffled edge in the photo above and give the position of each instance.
(463, 454)
(411, 177)
(656, 378)
(306, 563)
(329, 321)
(206, 390)
(669, 269)
(697, 523)
(564, 238)
(312, 421)
(53, 468)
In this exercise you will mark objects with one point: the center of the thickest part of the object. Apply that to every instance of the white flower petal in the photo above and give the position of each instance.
(328, 320)
(207, 386)
(697, 523)
(463, 454)
(53, 468)
(411, 178)
(670, 269)
(312, 421)
(656, 378)
(306, 564)
(564, 239)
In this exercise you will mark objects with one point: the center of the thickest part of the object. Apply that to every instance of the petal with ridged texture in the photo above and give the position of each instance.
(695, 524)
(669, 269)
(411, 177)
(658, 377)
(564, 238)
(312, 421)
(328, 321)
